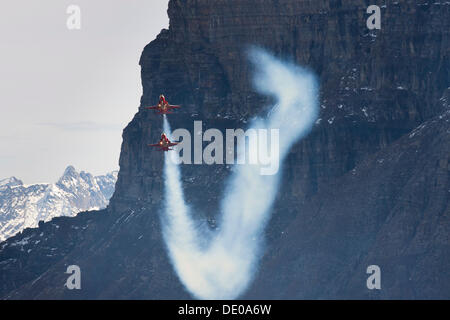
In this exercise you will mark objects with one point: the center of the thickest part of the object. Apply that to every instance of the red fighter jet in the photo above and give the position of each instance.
(164, 143)
(163, 107)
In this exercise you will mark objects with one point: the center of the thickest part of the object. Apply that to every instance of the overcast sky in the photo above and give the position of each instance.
(66, 95)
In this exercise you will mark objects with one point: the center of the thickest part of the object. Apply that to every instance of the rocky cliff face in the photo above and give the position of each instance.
(375, 85)
(391, 210)
(369, 185)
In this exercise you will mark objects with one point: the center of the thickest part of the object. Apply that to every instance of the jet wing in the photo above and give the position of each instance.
(171, 144)
(152, 107)
(174, 107)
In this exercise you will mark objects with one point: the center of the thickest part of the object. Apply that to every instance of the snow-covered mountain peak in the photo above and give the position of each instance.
(70, 172)
(11, 182)
(23, 206)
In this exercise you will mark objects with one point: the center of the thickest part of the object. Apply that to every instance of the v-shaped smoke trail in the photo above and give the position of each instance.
(224, 267)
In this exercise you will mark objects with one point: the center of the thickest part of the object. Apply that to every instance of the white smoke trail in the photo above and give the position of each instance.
(224, 267)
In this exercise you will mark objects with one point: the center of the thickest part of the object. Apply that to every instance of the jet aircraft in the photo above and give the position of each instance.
(164, 143)
(163, 107)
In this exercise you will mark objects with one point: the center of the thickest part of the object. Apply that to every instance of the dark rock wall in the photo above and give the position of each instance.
(375, 85)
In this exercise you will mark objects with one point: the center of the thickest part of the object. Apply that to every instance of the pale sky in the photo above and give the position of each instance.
(66, 95)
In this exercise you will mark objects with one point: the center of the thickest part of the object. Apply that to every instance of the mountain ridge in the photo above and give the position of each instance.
(23, 206)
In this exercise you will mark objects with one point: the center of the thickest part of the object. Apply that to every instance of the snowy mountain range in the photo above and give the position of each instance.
(23, 206)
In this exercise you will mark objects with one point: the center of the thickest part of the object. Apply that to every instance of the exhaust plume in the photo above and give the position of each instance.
(221, 264)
